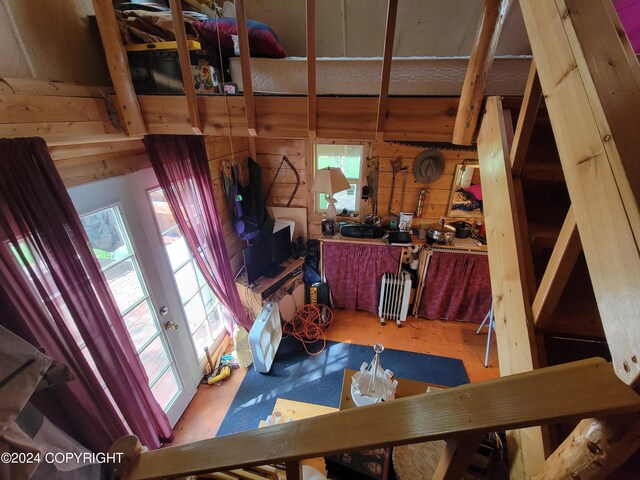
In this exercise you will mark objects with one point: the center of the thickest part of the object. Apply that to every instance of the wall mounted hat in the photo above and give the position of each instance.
(428, 166)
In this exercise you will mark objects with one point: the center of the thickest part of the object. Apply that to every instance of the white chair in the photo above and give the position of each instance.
(492, 326)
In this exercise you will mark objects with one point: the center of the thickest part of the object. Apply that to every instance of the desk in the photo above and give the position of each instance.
(253, 297)
(405, 388)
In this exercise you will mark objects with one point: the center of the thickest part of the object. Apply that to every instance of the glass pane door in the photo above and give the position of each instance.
(202, 309)
(117, 225)
(112, 247)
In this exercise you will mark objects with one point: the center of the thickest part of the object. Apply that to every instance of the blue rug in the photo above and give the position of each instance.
(318, 379)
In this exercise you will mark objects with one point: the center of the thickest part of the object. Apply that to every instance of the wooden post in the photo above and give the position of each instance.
(563, 258)
(512, 307)
(294, 470)
(526, 120)
(119, 68)
(312, 109)
(594, 160)
(480, 62)
(245, 64)
(456, 457)
(185, 65)
(392, 11)
(594, 449)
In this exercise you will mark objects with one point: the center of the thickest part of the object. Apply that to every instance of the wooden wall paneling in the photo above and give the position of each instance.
(603, 202)
(58, 133)
(14, 61)
(475, 80)
(32, 86)
(245, 62)
(282, 119)
(185, 65)
(166, 114)
(428, 119)
(269, 156)
(92, 170)
(392, 12)
(49, 109)
(126, 99)
(311, 67)
(86, 150)
(563, 258)
(346, 118)
(512, 305)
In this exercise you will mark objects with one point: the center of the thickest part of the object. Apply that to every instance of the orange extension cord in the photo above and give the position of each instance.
(308, 325)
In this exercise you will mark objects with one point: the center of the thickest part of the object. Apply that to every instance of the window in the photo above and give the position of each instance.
(349, 159)
(204, 312)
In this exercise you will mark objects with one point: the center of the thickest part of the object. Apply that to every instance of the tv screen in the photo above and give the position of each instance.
(257, 258)
(281, 245)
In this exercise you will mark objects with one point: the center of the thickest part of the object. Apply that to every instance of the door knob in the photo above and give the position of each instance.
(169, 325)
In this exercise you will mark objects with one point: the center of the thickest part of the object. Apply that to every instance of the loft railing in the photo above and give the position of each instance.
(459, 415)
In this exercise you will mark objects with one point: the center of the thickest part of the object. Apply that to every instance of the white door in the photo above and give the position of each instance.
(123, 233)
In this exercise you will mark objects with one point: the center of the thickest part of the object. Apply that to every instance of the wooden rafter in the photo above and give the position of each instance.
(526, 120)
(245, 64)
(563, 258)
(475, 80)
(312, 109)
(456, 457)
(392, 12)
(517, 350)
(594, 161)
(185, 66)
(129, 109)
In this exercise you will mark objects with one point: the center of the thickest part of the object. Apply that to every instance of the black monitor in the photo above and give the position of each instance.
(281, 245)
(257, 258)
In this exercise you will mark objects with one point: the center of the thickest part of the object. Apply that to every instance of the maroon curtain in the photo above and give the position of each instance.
(354, 273)
(54, 295)
(181, 165)
(457, 287)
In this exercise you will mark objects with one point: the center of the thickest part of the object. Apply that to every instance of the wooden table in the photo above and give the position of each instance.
(405, 388)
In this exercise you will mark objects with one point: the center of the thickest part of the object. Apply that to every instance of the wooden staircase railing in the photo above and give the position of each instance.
(571, 391)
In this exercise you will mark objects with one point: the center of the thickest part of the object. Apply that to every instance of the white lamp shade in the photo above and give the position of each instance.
(330, 180)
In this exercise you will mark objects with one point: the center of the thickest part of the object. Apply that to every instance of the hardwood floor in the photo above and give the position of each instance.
(204, 415)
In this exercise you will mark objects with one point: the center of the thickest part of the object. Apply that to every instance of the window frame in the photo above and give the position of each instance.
(358, 182)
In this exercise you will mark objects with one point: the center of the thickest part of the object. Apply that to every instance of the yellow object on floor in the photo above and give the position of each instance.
(225, 372)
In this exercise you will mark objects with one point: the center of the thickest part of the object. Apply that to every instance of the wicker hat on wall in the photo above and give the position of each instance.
(428, 166)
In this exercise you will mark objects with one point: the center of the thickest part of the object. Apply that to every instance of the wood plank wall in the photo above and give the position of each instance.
(83, 163)
(221, 150)
(436, 203)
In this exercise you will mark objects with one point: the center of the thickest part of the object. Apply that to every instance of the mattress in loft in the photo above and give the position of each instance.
(414, 76)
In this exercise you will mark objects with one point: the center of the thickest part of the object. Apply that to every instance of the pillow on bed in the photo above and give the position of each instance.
(476, 190)
(263, 42)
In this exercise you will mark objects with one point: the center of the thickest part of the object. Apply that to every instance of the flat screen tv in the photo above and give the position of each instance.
(281, 245)
(257, 258)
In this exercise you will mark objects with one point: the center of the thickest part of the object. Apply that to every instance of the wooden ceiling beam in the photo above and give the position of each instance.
(526, 121)
(475, 80)
(312, 108)
(387, 57)
(563, 258)
(245, 64)
(126, 98)
(185, 66)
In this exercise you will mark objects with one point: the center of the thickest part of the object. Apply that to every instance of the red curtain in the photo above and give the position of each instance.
(54, 295)
(457, 287)
(354, 273)
(181, 166)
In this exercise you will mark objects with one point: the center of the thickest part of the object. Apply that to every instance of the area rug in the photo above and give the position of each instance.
(318, 379)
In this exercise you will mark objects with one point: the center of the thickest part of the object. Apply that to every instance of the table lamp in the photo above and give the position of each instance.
(330, 181)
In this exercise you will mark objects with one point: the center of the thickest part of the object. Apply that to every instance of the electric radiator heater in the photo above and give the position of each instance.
(394, 297)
